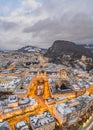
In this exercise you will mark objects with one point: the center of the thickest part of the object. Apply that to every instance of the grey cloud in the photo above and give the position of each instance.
(41, 25)
(77, 28)
(68, 20)
(54, 20)
(5, 25)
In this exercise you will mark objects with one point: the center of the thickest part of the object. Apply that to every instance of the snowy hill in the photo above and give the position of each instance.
(31, 49)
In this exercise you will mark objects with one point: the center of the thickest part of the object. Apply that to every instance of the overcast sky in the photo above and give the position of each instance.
(41, 22)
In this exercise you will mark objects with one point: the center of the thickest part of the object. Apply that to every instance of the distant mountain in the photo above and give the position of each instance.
(61, 48)
(88, 46)
(31, 49)
(1, 50)
(5, 51)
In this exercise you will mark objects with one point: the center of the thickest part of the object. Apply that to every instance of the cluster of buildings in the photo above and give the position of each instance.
(42, 121)
(70, 112)
(9, 83)
(38, 95)
(14, 106)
